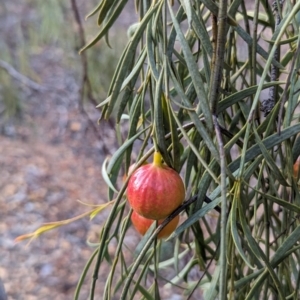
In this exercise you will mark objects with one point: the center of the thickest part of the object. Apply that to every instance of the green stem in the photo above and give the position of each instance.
(157, 159)
(105, 233)
(216, 75)
(223, 222)
(215, 84)
(151, 239)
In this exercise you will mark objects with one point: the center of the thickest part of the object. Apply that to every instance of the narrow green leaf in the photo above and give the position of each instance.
(258, 251)
(188, 10)
(207, 66)
(183, 273)
(134, 72)
(238, 96)
(211, 293)
(159, 120)
(194, 117)
(283, 42)
(234, 230)
(172, 35)
(131, 50)
(262, 18)
(83, 275)
(97, 8)
(239, 73)
(106, 7)
(268, 142)
(150, 52)
(138, 286)
(118, 155)
(169, 262)
(195, 218)
(284, 203)
(191, 158)
(106, 176)
(248, 39)
(195, 150)
(289, 242)
(174, 137)
(140, 246)
(201, 32)
(282, 252)
(117, 70)
(129, 83)
(244, 281)
(135, 116)
(194, 72)
(269, 160)
(211, 5)
(110, 22)
(296, 148)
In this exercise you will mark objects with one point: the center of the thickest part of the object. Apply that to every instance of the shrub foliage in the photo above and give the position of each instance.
(214, 86)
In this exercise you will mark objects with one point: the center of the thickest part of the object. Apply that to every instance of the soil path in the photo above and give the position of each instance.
(42, 177)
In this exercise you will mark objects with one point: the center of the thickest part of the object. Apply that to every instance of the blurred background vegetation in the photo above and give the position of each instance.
(37, 34)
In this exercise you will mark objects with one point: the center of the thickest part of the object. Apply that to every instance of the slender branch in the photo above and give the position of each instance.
(205, 271)
(215, 85)
(85, 81)
(214, 29)
(181, 208)
(223, 222)
(268, 104)
(218, 59)
(84, 62)
(190, 125)
(20, 77)
(282, 233)
(287, 85)
(253, 51)
(150, 241)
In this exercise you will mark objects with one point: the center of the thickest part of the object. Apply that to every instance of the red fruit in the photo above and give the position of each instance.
(142, 224)
(296, 169)
(155, 190)
(131, 167)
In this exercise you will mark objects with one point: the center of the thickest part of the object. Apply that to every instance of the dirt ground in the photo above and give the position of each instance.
(48, 161)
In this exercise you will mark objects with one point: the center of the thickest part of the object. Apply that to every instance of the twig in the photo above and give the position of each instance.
(85, 82)
(253, 50)
(284, 95)
(181, 208)
(150, 241)
(268, 104)
(205, 271)
(223, 222)
(282, 233)
(20, 77)
(215, 84)
(84, 62)
(218, 55)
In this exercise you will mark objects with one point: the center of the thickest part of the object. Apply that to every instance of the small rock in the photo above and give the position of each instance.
(75, 126)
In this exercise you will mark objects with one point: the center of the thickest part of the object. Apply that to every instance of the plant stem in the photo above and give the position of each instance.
(223, 222)
(104, 236)
(268, 104)
(215, 84)
(157, 159)
(252, 53)
(151, 240)
(217, 68)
